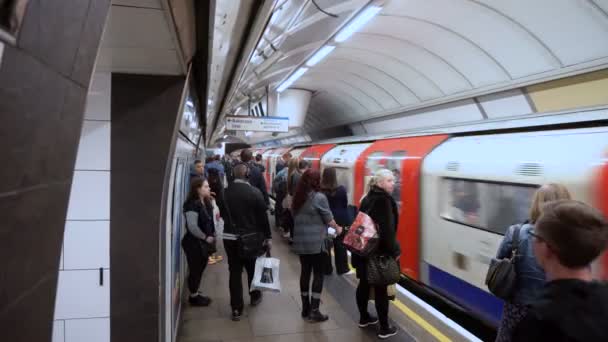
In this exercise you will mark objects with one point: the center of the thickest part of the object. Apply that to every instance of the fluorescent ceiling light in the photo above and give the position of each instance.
(294, 77)
(190, 103)
(322, 53)
(357, 23)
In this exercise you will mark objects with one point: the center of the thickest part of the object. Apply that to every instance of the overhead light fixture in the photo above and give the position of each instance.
(294, 77)
(225, 136)
(357, 23)
(322, 53)
(190, 103)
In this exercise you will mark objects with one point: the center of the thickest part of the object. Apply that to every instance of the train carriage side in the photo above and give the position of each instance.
(314, 153)
(475, 187)
(403, 156)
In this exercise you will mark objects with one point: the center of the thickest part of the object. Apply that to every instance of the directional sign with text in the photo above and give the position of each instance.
(257, 124)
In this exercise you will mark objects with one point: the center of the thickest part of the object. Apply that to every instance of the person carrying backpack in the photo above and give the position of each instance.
(530, 278)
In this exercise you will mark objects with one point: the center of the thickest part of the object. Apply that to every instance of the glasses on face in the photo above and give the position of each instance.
(535, 235)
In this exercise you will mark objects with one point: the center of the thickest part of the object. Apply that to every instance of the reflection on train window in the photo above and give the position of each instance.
(344, 178)
(489, 206)
(392, 161)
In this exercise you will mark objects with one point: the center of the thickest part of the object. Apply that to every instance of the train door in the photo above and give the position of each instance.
(314, 153)
(402, 156)
(344, 158)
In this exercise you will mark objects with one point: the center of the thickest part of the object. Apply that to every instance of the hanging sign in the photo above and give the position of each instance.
(257, 124)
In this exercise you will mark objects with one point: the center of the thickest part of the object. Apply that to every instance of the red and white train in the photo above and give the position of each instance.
(459, 193)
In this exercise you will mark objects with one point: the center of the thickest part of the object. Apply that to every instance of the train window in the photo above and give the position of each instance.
(393, 162)
(485, 205)
(345, 178)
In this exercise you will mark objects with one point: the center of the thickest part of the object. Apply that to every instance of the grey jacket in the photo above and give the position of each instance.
(310, 225)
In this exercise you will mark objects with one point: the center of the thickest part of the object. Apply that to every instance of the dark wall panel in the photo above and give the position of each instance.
(41, 111)
(144, 129)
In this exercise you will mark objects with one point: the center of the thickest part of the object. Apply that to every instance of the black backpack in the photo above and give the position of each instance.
(501, 276)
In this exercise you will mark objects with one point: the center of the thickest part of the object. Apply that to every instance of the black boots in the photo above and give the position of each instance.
(305, 306)
(316, 315)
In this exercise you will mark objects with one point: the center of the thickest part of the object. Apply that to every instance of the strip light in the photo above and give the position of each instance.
(322, 53)
(357, 23)
(294, 77)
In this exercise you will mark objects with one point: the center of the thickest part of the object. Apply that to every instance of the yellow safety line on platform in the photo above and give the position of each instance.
(415, 317)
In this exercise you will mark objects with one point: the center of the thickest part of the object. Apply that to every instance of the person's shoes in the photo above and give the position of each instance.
(305, 306)
(385, 333)
(256, 298)
(236, 315)
(316, 315)
(366, 322)
(199, 300)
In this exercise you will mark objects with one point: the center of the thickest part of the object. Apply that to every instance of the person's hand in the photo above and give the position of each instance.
(210, 239)
(213, 194)
(398, 257)
(339, 230)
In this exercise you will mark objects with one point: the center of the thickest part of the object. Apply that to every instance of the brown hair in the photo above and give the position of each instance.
(195, 184)
(310, 181)
(576, 232)
(329, 181)
(547, 193)
(292, 167)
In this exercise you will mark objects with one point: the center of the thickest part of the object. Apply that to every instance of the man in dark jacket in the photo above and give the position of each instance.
(255, 176)
(197, 170)
(572, 307)
(260, 163)
(247, 209)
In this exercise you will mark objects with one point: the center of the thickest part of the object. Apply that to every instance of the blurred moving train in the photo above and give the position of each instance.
(459, 193)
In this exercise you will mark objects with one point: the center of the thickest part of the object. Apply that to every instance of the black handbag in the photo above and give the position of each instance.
(382, 270)
(501, 276)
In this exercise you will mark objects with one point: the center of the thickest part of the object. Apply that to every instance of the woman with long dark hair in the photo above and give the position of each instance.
(338, 203)
(217, 192)
(199, 241)
(312, 215)
(382, 208)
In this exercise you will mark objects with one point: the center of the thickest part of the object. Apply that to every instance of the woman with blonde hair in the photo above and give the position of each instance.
(530, 276)
(380, 205)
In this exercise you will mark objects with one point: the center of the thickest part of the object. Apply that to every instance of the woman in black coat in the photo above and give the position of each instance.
(382, 208)
(199, 241)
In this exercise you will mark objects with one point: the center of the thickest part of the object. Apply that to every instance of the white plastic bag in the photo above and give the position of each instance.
(266, 276)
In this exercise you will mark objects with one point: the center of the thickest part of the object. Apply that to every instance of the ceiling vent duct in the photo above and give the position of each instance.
(293, 103)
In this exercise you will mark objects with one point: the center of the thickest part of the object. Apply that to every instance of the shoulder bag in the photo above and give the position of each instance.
(382, 270)
(501, 276)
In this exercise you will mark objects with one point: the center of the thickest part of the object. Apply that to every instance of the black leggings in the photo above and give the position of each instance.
(381, 293)
(312, 264)
(196, 255)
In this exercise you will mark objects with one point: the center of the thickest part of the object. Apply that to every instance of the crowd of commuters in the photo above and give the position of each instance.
(555, 297)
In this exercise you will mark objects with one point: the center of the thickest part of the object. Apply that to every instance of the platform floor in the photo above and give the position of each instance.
(277, 318)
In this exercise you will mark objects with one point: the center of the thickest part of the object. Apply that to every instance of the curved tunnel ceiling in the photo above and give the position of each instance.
(423, 51)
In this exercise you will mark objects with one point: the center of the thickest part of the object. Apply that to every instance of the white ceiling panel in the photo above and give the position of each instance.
(504, 104)
(574, 31)
(379, 94)
(420, 86)
(355, 93)
(472, 61)
(392, 85)
(446, 77)
(483, 26)
(137, 28)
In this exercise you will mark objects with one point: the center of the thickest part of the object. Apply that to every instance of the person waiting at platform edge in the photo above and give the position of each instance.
(247, 214)
(568, 237)
(530, 277)
(338, 203)
(382, 208)
(199, 241)
(312, 215)
(255, 177)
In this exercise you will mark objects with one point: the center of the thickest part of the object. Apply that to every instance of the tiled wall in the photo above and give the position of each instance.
(82, 307)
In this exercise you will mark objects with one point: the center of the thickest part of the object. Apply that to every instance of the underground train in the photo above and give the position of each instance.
(458, 194)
